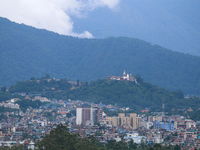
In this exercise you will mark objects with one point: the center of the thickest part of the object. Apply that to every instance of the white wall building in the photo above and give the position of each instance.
(135, 137)
(79, 115)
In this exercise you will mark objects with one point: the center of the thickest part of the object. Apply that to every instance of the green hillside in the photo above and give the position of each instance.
(137, 96)
(27, 52)
(129, 94)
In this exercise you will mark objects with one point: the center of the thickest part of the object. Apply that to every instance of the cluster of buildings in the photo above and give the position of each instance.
(88, 115)
(37, 97)
(172, 130)
(10, 104)
(130, 120)
(125, 76)
(164, 125)
(29, 127)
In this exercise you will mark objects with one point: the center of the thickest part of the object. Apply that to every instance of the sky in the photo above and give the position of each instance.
(52, 15)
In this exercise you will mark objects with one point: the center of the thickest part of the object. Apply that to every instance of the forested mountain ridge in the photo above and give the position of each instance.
(171, 24)
(26, 52)
(137, 96)
(129, 94)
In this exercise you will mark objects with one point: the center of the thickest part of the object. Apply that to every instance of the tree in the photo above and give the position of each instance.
(157, 146)
(110, 144)
(138, 78)
(3, 89)
(177, 147)
(47, 76)
(32, 78)
(121, 145)
(132, 145)
(97, 123)
(25, 136)
(14, 147)
(61, 139)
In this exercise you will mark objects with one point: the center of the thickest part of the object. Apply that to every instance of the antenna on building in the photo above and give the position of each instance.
(163, 107)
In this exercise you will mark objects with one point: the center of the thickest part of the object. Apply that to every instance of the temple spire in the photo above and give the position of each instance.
(124, 74)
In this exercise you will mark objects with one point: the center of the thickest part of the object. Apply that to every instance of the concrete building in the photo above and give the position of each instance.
(185, 124)
(130, 120)
(157, 137)
(161, 125)
(88, 115)
(135, 137)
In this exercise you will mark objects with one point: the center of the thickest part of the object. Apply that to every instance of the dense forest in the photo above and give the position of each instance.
(129, 94)
(26, 51)
(137, 96)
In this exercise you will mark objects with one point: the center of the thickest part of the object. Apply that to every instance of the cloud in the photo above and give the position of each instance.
(53, 15)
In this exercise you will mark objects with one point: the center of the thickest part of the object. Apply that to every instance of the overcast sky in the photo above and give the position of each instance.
(53, 15)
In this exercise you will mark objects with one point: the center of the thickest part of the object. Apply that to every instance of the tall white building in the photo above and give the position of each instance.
(79, 115)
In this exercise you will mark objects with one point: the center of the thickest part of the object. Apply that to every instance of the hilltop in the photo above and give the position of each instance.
(26, 51)
(123, 93)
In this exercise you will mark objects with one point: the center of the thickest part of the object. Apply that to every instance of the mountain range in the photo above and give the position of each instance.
(26, 52)
(171, 24)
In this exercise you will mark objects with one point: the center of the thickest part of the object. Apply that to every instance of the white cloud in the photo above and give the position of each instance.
(53, 15)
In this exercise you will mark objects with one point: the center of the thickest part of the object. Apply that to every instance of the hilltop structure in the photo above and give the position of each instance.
(125, 76)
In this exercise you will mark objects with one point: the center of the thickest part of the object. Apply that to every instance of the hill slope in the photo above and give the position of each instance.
(27, 52)
(138, 95)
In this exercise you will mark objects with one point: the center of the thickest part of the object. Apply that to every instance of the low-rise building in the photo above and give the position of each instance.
(161, 125)
(135, 137)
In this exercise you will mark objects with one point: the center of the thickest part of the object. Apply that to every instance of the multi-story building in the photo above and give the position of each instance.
(161, 125)
(88, 115)
(155, 118)
(185, 124)
(130, 120)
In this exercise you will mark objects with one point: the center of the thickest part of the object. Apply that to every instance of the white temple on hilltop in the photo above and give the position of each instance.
(125, 77)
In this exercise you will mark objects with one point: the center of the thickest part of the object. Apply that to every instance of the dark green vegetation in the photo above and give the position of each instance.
(15, 147)
(136, 96)
(40, 85)
(123, 93)
(24, 104)
(4, 109)
(5, 96)
(61, 139)
(195, 115)
(26, 52)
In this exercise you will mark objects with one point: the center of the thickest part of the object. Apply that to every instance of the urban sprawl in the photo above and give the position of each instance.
(29, 127)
